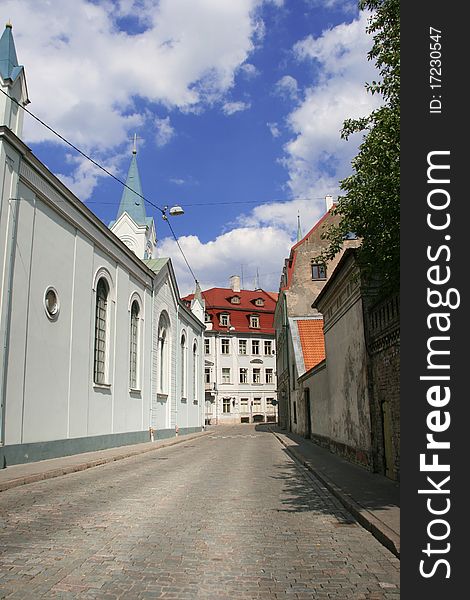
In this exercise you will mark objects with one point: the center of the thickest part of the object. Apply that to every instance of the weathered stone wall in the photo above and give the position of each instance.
(347, 368)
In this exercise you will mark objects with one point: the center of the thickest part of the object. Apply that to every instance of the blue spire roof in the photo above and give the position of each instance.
(131, 202)
(9, 68)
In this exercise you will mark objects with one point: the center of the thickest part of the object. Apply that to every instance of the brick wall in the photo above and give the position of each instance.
(383, 343)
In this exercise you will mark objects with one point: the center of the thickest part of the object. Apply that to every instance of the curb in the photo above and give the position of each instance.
(89, 464)
(364, 517)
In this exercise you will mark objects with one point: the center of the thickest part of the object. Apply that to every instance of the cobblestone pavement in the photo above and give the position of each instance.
(228, 516)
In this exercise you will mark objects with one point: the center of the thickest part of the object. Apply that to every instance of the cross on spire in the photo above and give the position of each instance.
(134, 143)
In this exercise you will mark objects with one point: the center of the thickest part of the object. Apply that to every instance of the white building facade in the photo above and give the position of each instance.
(239, 355)
(77, 313)
(177, 381)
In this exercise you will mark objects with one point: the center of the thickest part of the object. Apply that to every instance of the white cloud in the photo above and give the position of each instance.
(347, 6)
(84, 73)
(287, 87)
(213, 262)
(316, 157)
(230, 108)
(274, 129)
(249, 70)
(283, 215)
(85, 174)
(164, 131)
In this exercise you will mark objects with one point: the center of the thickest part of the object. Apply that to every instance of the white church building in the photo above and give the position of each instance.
(96, 346)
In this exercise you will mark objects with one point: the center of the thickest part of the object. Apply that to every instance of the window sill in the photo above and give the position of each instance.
(135, 391)
(102, 386)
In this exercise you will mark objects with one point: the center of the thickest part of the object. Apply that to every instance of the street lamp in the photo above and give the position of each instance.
(175, 211)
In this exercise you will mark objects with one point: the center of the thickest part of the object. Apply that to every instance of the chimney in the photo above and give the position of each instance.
(329, 202)
(235, 283)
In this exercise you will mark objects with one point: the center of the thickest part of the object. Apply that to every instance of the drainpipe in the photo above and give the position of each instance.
(6, 316)
(286, 329)
(177, 358)
(216, 379)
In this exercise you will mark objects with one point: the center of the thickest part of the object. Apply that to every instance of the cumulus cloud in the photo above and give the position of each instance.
(213, 262)
(316, 157)
(85, 73)
(274, 129)
(249, 70)
(230, 108)
(164, 131)
(287, 87)
(85, 174)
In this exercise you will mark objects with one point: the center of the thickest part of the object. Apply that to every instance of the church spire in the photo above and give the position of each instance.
(9, 68)
(13, 83)
(299, 228)
(131, 200)
(132, 225)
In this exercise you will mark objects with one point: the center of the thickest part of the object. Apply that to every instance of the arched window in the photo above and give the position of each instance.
(194, 378)
(183, 365)
(163, 354)
(101, 325)
(134, 346)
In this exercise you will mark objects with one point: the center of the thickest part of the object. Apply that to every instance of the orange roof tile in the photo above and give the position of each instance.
(312, 341)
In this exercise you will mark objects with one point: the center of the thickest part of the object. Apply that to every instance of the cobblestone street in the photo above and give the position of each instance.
(228, 515)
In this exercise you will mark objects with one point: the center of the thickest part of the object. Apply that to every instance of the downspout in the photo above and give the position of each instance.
(216, 378)
(177, 357)
(6, 316)
(153, 359)
(286, 326)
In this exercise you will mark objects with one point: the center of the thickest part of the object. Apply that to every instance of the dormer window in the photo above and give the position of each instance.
(259, 302)
(224, 320)
(207, 318)
(235, 299)
(254, 321)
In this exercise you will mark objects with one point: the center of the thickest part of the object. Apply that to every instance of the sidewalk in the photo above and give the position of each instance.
(16, 475)
(373, 499)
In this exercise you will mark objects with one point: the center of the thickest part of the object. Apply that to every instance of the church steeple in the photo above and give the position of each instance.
(13, 83)
(132, 225)
(131, 200)
(299, 228)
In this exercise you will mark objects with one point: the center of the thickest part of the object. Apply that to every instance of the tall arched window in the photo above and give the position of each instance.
(134, 346)
(194, 378)
(101, 318)
(183, 365)
(163, 354)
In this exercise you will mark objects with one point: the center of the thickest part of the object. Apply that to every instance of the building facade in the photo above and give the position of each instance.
(177, 365)
(302, 279)
(77, 312)
(239, 355)
(361, 380)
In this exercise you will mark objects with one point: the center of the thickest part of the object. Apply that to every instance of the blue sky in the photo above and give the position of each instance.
(238, 106)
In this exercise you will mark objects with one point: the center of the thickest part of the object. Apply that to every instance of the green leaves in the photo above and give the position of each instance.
(371, 204)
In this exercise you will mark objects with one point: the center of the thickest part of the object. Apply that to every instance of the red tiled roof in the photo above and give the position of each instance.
(312, 341)
(218, 301)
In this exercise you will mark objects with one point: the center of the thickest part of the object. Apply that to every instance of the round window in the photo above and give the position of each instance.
(51, 303)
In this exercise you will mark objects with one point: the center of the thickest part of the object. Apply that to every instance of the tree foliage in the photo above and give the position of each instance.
(371, 206)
